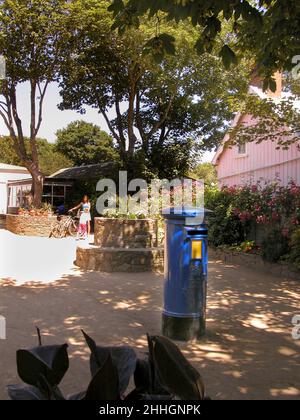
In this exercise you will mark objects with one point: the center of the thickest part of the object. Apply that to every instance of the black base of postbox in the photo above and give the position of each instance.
(183, 329)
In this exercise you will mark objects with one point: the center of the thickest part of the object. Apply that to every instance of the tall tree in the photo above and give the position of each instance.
(147, 99)
(85, 143)
(32, 33)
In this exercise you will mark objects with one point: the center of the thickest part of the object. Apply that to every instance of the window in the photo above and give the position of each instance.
(17, 195)
(242, 149)
(53, 193)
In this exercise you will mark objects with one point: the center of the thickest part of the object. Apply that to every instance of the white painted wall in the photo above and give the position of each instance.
(6, 176)
(3, 197)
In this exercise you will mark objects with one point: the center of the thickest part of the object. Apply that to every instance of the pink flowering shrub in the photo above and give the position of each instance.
(268, 205)
(275, 208)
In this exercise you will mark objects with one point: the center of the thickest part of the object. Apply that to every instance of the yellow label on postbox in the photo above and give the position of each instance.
(197, 250)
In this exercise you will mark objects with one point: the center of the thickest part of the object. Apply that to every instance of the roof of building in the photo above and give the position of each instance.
(6, 167)
(85, 172)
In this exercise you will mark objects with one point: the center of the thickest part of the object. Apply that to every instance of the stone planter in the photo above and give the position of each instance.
(121, 260)
(123, 233)
(26, 225)
(122, 245)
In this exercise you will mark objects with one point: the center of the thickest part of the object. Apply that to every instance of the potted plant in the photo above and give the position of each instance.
(32, 211)
(21, 211)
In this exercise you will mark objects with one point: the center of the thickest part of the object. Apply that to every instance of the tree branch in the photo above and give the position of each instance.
(138, 118)
(18, 122)
(163, 119)
(112, 130)
(120, 124)
(41, 103)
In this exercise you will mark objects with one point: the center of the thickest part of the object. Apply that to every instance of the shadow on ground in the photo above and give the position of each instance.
(248, 352)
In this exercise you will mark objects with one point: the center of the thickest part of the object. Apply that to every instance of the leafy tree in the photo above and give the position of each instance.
(7, 151)
(183, 97)
(32, 34)
(275, 119)
(267, 28)
(85, 143)
(207, 172)
(49, 159)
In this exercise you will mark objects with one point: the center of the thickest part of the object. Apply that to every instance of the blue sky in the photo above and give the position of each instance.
(54, 119)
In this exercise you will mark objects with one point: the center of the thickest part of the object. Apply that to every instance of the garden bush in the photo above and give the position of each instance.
(225, 228)
(274, 207)
(294, 255)
(274, 245)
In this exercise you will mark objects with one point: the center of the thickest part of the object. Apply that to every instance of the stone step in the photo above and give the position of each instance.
(121, 260)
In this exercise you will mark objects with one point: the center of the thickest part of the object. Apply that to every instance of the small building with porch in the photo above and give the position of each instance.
(58, 187)
(10, 173)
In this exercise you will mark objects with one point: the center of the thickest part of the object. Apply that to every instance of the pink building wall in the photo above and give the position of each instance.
(260, 162)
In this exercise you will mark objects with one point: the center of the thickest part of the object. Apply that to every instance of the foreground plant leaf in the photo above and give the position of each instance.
(51, 362)
(79, 396)
(178, 376)
(142, 375)
(123, 358)
(105, 384)
(52, 392)
(25, 393)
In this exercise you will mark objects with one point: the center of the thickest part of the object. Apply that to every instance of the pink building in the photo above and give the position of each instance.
(253, 162)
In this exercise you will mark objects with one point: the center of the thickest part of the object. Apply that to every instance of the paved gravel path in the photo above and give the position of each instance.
(248, 352)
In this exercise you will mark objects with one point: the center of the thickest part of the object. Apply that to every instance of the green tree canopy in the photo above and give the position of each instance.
(147, 103)
(269, 29)
(85, 144)
(50, 160)
(206, 172)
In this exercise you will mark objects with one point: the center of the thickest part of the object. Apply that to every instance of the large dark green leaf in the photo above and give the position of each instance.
(124, 359)
(25, 393)
(116, 7)
(52, 392)
(52, 362)
(228, 56)
(178, 376)
(142, 378)
(105, 384)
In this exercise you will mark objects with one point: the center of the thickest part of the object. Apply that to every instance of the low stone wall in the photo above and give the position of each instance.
(2, 221)
(30, 225)
(108, 260)
(255, 262)
(123, 233)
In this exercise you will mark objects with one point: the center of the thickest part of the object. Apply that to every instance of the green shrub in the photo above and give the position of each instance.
(225, 228)
(274, 245)
(294, 255)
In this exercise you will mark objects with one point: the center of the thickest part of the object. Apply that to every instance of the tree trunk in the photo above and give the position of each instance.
(36, 193)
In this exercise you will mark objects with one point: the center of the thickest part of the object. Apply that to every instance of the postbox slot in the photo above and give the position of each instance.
(196, 249)
(194, 232)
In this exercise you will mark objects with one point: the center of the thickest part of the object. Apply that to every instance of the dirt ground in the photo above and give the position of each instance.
(248, 352)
